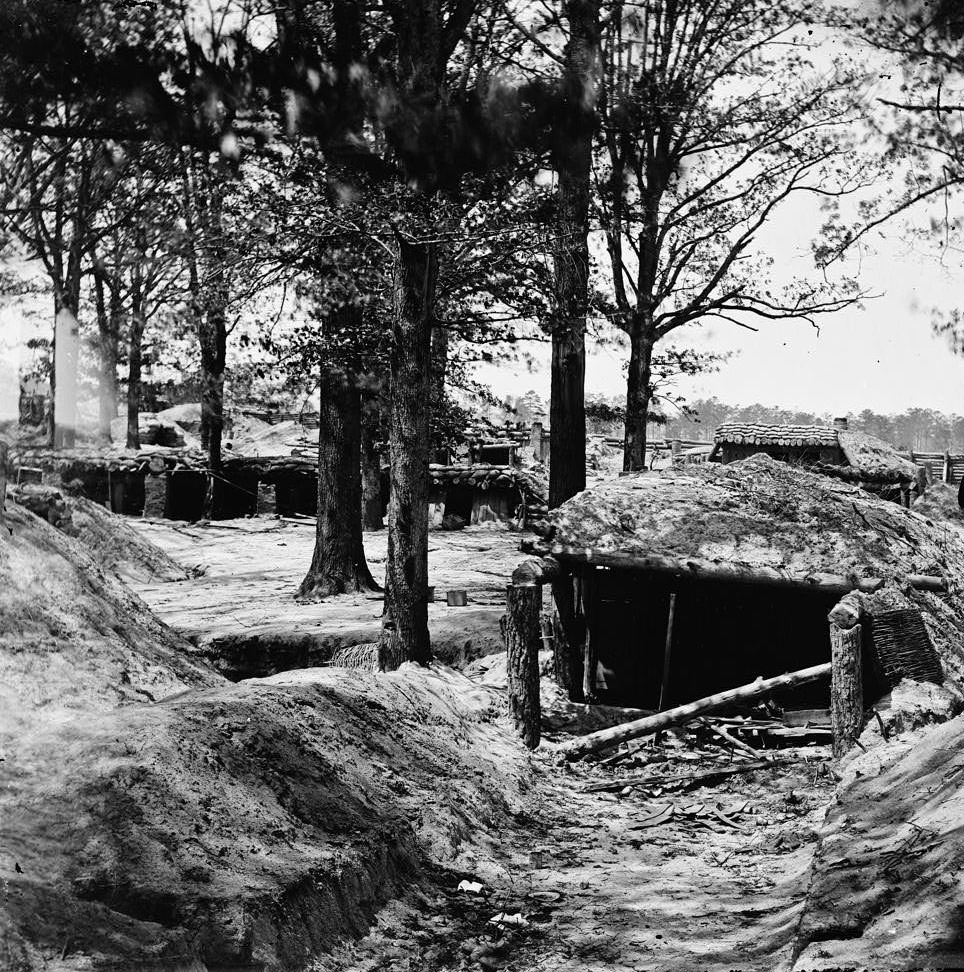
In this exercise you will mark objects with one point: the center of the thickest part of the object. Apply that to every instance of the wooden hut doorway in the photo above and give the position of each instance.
(724, 634)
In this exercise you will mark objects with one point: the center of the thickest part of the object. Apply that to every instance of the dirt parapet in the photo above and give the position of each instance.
(885, 890)
(73, 636)
(248, 827)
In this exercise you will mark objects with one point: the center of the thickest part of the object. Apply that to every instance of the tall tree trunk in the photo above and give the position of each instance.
(338, 564)
(107, 331)
(214, 331)
(371, 467)
(134, 375)
(405, 634)
(638, 393)
(440, 360)
(63, 378)
(572, 157)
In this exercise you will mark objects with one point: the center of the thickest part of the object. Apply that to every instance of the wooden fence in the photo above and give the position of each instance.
(942, 467)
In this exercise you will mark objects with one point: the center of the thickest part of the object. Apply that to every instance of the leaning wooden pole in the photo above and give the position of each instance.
(846, 680)
(523, 636)
(605, 738)
(3, 481)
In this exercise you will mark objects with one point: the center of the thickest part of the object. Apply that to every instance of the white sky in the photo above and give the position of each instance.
(883, 356)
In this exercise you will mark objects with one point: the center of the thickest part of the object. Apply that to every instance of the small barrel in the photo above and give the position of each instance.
(456, 598)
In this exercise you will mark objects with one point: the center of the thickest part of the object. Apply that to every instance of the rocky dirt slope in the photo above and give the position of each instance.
(247, 827)
(887, 883)
(72, 635)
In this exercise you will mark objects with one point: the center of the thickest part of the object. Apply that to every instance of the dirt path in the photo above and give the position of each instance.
(599, 892)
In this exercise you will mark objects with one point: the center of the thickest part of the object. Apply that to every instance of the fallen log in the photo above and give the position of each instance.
(605, 738)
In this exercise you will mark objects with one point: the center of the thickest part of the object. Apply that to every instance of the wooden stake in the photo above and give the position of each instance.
(605, 738)
(846, 682)
(3, 481)
(589, 660)
(522, 640)
(667, 652)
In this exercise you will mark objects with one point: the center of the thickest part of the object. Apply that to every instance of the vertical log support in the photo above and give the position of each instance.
(3, 482)
(946, 471)
(267, 499)
(523, 637)
(846, 681)
(590, 660)
(155, 495)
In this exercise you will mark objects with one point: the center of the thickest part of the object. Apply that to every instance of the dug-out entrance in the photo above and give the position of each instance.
(723, 634)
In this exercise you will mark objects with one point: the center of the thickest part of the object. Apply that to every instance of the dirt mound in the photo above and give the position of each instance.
(761, 513)
(247, 827)
(109, 539)
(886, 890)
(940, 504)
(117, 546)
(73, 635)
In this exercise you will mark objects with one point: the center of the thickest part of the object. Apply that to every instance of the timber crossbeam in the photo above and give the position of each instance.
(693, 569)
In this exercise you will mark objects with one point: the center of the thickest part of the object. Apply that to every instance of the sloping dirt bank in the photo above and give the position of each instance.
(246, 827)
(887, 888)
(73, 636)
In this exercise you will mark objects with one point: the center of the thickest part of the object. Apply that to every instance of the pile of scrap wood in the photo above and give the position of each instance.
(605, 739)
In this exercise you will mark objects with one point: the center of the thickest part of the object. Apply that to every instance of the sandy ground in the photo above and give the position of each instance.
(242, 609)
(598, 890)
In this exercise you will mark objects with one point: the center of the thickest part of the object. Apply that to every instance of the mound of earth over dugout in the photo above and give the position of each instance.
(939, 503)
(116, 545)
(762, 513)
(887, 889)
(247, 827)
(72, 635)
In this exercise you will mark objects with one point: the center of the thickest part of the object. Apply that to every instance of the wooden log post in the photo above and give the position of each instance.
(568, 632)
(590, 656)
(523, 637)
(3, 482)
(155, 495)
(267, 499)
(846, 680)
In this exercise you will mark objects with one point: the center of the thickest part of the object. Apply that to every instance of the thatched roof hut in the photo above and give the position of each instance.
(752, 555)
(850, 455)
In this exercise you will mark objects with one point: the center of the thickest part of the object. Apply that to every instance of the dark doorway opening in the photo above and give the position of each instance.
(127, 493)
(724, 635)
(186, 490)
(235, 497)
(297, 494)
(458, 502)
